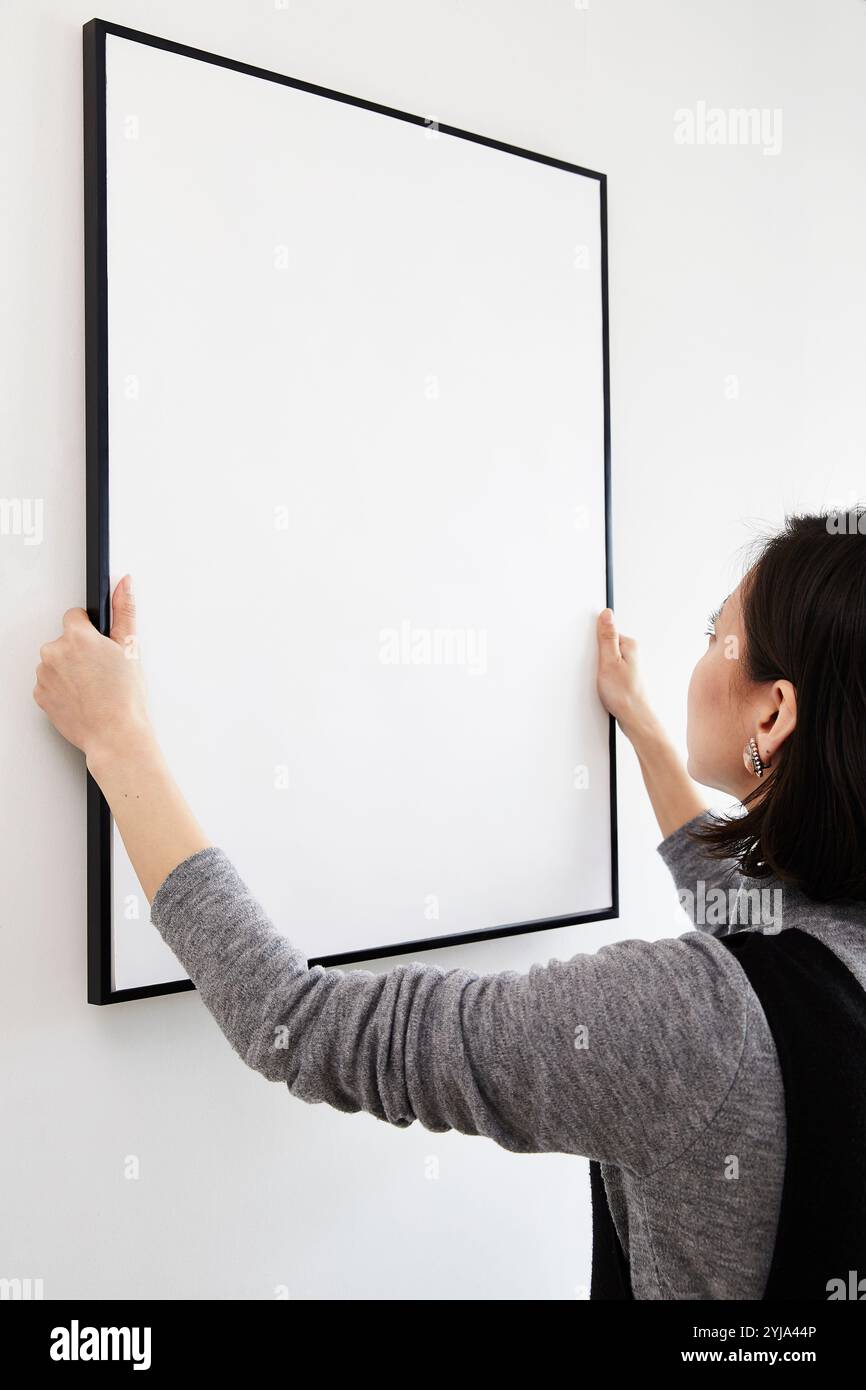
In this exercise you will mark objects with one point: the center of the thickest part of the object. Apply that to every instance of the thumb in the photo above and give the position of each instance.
(608, 637)
(123, 612)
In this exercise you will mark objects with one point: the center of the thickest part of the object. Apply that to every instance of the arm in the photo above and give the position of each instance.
(623, 1055)
(157, 826)
(674, 796)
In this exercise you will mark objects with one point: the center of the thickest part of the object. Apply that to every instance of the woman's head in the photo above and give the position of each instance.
(786, 665)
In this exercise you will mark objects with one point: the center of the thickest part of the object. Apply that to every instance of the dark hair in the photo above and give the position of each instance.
(804, 620)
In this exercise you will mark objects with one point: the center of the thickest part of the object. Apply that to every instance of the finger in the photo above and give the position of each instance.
(608, 637)
(123, 611)
(47, 652)
(75, 617)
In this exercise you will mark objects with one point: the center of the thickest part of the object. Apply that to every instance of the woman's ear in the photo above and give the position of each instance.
(779, 722)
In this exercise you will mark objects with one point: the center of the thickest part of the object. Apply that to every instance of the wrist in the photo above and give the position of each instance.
(642, 728)
(131, 741)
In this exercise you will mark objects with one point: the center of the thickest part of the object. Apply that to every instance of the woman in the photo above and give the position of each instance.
(715, 1080)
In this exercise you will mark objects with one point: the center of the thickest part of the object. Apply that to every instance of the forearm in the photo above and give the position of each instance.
(157, 826)
(448, 1048)
(495, 1055)
(674, 796)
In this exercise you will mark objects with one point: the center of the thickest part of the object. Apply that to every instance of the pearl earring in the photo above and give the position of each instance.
(752, 760)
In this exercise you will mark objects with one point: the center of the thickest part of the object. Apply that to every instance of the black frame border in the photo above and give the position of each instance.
(99, 821)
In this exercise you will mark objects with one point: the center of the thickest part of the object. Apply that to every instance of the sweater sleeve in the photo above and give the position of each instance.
(713, 893)
(623, 1055)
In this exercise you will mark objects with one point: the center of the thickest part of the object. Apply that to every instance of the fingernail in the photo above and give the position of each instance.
(127, 585)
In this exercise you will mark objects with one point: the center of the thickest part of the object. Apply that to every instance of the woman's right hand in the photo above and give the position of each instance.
(92, 689)
(619, 682)
(90, 686)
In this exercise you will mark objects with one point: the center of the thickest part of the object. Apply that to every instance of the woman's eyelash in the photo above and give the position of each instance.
(710, 630)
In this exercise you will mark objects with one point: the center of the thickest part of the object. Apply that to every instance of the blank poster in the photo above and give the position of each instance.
(351, 445)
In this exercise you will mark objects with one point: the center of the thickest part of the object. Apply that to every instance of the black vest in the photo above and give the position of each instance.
(816, 1010)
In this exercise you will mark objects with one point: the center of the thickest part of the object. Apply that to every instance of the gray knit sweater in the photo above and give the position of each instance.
(653, 1057)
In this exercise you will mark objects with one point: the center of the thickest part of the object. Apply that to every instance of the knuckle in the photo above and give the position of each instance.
(74, 620)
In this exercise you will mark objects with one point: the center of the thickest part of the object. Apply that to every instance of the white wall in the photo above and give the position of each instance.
(725, 263)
